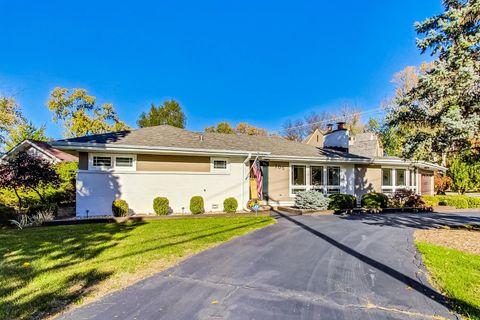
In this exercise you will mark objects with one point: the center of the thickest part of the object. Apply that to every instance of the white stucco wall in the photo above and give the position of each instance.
(347, 179)
(338, 138)
(96, 190)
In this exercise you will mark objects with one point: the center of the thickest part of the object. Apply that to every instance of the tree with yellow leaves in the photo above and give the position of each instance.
(80, 115)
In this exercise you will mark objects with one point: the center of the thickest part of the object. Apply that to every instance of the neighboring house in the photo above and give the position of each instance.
(40, 149)
(142, 164)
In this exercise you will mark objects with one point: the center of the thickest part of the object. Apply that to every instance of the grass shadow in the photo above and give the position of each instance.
(50, 250)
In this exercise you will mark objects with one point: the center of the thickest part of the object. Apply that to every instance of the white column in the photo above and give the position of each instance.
(394, 179)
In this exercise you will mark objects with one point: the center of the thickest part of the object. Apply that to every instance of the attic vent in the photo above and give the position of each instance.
(201, 137)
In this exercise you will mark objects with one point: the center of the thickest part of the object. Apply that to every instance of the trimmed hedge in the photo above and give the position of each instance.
(457, 201)
(161, 206)
(230, 205)
(374, 200)
(341, 202)
(197, 205)
(120, 208)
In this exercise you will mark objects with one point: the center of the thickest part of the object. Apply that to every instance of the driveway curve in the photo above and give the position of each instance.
(303, 267)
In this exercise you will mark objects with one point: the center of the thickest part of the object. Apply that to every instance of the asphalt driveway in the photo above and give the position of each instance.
(325, 267)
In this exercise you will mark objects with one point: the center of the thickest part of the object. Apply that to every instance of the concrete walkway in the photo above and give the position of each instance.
(325, 267)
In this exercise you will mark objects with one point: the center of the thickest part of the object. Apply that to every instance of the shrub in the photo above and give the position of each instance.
(161, 206)
(457, 201)
(230, 205)
(406, 198)
(120, 208)
(311, 200)
(6, 214)
(432, 201)
(374, 200)
(42, 207)
(341, 202)
(35, 220)
(197, 205)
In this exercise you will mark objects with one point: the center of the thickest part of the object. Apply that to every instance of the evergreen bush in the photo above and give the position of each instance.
(161, 206)
(374, 200)
(230, 205)
(197, 205)
(120, 208)
(311, 200)
(342, 202)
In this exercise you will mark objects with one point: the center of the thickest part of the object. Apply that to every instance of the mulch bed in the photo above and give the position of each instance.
(465, 239)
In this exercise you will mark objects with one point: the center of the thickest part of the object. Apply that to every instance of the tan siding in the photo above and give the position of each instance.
(278, 180)
(148, 162)
(83, 160)
(368, 178)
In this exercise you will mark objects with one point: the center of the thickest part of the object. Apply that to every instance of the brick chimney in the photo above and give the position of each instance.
(341, 125)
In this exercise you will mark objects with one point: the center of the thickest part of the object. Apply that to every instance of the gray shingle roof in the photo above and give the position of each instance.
(168, 136)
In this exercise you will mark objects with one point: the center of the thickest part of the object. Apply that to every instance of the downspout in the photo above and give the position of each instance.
(244, 205)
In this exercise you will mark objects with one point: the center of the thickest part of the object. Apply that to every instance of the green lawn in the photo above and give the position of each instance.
(457, 273)
(44, 269)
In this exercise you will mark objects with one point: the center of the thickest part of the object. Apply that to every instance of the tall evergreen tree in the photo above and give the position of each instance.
(169, 113)
(443, 109)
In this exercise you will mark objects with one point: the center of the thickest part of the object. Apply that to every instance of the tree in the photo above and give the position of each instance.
(25, 171)
(442, 183)
(9, 116)
(443, 108)
(294, 131)
(373, 125)
(169, 113)
(221, 127)
(245, 128)
(24, 131)
(299, 129)
(80, 115)
(464, 171)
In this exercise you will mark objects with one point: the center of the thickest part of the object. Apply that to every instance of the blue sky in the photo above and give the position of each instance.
(257, 61)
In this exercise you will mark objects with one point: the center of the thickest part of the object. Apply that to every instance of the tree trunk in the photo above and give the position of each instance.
(41, 197)
(19, 199)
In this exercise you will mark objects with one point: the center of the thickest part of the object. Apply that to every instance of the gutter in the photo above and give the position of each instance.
(418, 164)
(148, 149)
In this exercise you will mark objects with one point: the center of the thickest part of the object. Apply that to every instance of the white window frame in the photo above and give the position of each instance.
(219, 170)
(290, 179)
(308, 179)
(394, 187)
(113, 158)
